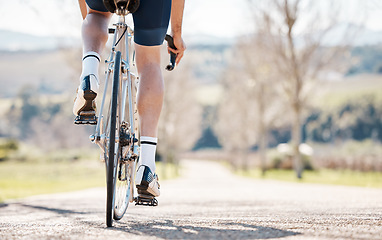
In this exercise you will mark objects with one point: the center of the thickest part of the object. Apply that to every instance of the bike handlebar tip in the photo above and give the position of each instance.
(170, 42)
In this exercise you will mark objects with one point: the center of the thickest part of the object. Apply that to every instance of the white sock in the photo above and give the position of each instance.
(148, 149)
(90, 64)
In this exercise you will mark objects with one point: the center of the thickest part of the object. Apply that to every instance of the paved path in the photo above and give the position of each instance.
(208, 202)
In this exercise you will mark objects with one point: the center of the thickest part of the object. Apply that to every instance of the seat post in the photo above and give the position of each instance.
(121, 19)
(122, 12)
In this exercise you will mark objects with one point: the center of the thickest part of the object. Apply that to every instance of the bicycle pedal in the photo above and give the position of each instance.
(146, 200)
(86, 119)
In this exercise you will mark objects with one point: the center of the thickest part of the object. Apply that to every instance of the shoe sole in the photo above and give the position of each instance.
(88, 108)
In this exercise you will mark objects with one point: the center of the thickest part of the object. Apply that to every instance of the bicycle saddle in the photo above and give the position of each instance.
(113, 5)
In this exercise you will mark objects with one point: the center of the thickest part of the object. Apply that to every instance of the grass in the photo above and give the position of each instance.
(167, 171)
(22, 179)
(18, 179)
(323, 176)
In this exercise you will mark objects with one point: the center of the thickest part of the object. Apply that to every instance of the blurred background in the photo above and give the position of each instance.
(287, 89)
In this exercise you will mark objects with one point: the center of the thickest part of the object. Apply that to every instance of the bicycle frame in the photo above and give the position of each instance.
(122, 41)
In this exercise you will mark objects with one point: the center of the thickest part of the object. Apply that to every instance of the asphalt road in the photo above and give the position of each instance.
(207, 202)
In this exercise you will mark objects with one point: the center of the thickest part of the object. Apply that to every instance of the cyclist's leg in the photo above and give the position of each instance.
(149, 104)
(150, 26)
(94, 37)
(95, 30)
(151, 88)
(150, 99)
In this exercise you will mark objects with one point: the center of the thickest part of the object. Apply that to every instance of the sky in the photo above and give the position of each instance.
(219, 18)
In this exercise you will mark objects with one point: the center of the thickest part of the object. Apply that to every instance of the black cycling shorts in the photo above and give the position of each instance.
(150, 20)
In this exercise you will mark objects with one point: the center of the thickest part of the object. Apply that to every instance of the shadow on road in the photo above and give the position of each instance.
(215, 229)
(56, 210)
(3, 205)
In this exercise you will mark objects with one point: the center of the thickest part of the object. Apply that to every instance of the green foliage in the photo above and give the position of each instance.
(358, 117)
(368, 60)
(7, 147)
(31, 154)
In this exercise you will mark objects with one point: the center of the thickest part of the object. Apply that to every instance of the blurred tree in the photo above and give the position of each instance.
(269, 110)
(180, 120)
(58, 131)
(44, 121)
(236, 121)
(296, 31)
(29, 107)
(249, 100)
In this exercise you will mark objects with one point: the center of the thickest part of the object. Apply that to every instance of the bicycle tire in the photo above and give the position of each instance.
(126, 167)
(112, 153)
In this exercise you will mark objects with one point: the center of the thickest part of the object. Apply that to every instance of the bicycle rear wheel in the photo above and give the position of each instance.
(119, 157)
(112, 153)
(126, 163)
(122, 188)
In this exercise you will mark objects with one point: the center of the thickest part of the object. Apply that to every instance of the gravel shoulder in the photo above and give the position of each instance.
(207, 202)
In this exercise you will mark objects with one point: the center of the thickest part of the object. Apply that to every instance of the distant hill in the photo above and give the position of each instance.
(353, 34)
(368, 37)
(208, 40)
(16, 41)
(45, 59)
(48, 72)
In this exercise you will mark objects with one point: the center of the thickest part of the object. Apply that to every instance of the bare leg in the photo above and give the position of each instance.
(95, 31)
(149, 103)
(151, 89)
(94, 36)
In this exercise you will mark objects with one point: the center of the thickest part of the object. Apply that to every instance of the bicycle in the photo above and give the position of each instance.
(117, 128)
